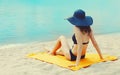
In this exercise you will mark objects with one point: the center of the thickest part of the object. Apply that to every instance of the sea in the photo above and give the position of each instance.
(21, 23)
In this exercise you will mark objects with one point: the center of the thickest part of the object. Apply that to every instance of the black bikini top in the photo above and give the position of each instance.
(75, 41)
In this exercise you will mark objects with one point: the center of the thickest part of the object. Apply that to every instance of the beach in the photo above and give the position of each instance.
(13, 60)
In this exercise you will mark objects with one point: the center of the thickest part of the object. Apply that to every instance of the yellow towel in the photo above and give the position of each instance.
(63, 62)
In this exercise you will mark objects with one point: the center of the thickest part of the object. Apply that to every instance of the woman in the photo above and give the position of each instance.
(82, 34)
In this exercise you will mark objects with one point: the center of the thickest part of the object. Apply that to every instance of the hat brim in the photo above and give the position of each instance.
(87, 21)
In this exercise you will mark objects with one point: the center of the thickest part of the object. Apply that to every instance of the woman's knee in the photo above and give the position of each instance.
(62, 37)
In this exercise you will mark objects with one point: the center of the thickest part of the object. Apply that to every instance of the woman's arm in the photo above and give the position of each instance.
(79, 44)
(95, 44)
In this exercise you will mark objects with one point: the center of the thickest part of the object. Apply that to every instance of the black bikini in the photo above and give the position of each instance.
(73, 57)
(75, 41)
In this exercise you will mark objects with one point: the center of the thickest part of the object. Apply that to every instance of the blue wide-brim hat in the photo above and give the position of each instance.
(79, 19)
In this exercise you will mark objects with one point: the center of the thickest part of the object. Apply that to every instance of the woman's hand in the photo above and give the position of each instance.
(101, 57)
(73, 65)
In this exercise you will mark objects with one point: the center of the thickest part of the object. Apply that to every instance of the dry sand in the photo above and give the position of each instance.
(13, 60)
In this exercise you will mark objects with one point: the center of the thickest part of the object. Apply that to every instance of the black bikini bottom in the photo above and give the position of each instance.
(73, 57)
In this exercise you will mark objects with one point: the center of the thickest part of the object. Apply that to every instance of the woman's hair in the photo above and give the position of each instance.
(85, 29)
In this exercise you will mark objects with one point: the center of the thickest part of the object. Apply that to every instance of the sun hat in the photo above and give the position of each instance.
(80, 19)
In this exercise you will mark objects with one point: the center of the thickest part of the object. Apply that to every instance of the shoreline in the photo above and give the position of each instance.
(14, 61)
(24, 43)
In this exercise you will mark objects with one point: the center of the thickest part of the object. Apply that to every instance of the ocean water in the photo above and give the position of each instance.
(26, 21)
(19, 24)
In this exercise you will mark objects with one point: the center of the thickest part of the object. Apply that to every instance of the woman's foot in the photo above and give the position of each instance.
(49, 51)
(59, 52)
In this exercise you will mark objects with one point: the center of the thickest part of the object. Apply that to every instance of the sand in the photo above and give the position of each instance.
(13, 60)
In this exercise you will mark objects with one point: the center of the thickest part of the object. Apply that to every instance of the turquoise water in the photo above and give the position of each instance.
(41, 20)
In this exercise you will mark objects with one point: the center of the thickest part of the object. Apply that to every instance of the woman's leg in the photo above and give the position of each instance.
(56, 47)
(63, 45)
(59, 52)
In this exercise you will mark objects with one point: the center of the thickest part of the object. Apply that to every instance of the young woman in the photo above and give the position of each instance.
(82, 34)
